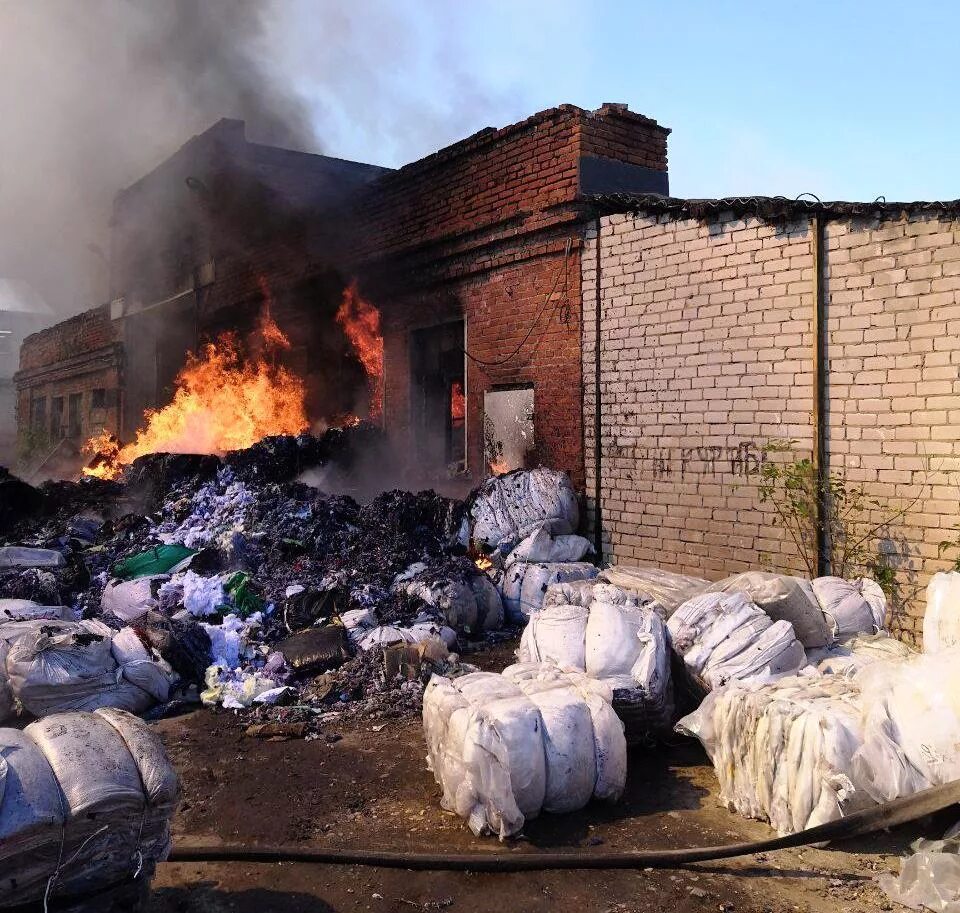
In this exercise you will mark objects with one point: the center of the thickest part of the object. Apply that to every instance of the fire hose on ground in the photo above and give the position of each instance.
(857, 824)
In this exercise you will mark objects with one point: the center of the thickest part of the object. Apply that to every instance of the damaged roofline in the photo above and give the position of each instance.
(770, 209)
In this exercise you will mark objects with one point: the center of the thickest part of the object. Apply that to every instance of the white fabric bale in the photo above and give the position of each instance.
(783, 751)
(941, 620)
(569, 747)
(28, 610)
(59, 666)
(852, 606)
(783, 598)
(723, 637)
(485, 746)
(73, 802)
(610, 745)
(32, 815)
(612, 640)
(506, 508)
(525, 585)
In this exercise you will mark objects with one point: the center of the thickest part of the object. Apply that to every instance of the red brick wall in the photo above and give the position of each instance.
(81, 334)
(480, 230)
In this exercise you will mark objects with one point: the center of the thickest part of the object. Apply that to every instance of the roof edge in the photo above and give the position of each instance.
(773, 209)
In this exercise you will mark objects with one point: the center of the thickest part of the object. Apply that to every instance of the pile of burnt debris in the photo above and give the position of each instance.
(239, 583)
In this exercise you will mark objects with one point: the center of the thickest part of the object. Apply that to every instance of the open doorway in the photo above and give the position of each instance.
(438, 396)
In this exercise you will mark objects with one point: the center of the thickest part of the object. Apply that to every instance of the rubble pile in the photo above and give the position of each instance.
(236, 583)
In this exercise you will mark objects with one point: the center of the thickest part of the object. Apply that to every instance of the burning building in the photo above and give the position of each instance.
(442, 299)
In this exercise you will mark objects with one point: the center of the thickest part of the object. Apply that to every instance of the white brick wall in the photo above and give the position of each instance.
(706, 354)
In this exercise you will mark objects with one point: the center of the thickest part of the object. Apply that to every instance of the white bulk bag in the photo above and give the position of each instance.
(525, 585)
(852, 606)
(506, 508)
(501, 751)
(783, 598)
(941, 620)
(541, 546)
(556, 635)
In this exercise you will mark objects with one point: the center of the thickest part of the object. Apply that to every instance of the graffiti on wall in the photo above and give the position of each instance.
(740, 459)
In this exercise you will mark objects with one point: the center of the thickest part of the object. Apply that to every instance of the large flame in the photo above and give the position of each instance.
(361, 322)
(222, 402)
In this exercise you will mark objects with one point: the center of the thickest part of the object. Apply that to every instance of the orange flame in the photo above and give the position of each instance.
(361, 323)
(221, 403)
(499, 467)
(458, 404)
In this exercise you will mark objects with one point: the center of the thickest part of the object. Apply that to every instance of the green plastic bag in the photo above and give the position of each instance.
(239, 588)
(161, 559)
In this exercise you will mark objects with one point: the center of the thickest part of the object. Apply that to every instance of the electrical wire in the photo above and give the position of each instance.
(533, 324)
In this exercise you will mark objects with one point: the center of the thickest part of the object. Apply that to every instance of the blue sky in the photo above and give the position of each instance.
(845, 100)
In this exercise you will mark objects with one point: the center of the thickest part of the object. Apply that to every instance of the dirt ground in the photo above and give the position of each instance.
(370, 789)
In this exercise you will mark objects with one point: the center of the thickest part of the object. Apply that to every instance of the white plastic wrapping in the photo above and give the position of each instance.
(851, 606)
(783, 598)
(941, 621)
(130, 600)
(86, 798)
(783, 751)
(663, 591)
(724, 637)
(502, 751)
(849, 656)
(508, 507)
(524, 585)
(27, 610)
(911, 715)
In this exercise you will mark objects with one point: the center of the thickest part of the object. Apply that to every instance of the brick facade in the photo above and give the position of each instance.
(487, 231)
(706, 354)
(490, 230)
(79, 360)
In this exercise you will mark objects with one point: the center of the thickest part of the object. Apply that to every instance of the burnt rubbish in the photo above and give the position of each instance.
(256, 616)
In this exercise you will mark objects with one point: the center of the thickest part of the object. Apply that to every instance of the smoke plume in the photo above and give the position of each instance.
(94, 94)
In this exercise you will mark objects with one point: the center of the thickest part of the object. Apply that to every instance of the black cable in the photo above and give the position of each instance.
(880, 817)
(533, 325)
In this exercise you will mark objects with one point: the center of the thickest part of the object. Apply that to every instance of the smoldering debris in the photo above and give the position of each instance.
(253, 592)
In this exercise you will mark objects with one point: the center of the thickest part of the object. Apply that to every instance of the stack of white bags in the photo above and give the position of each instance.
(503, 748)
(85, 803)
(601, 630)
